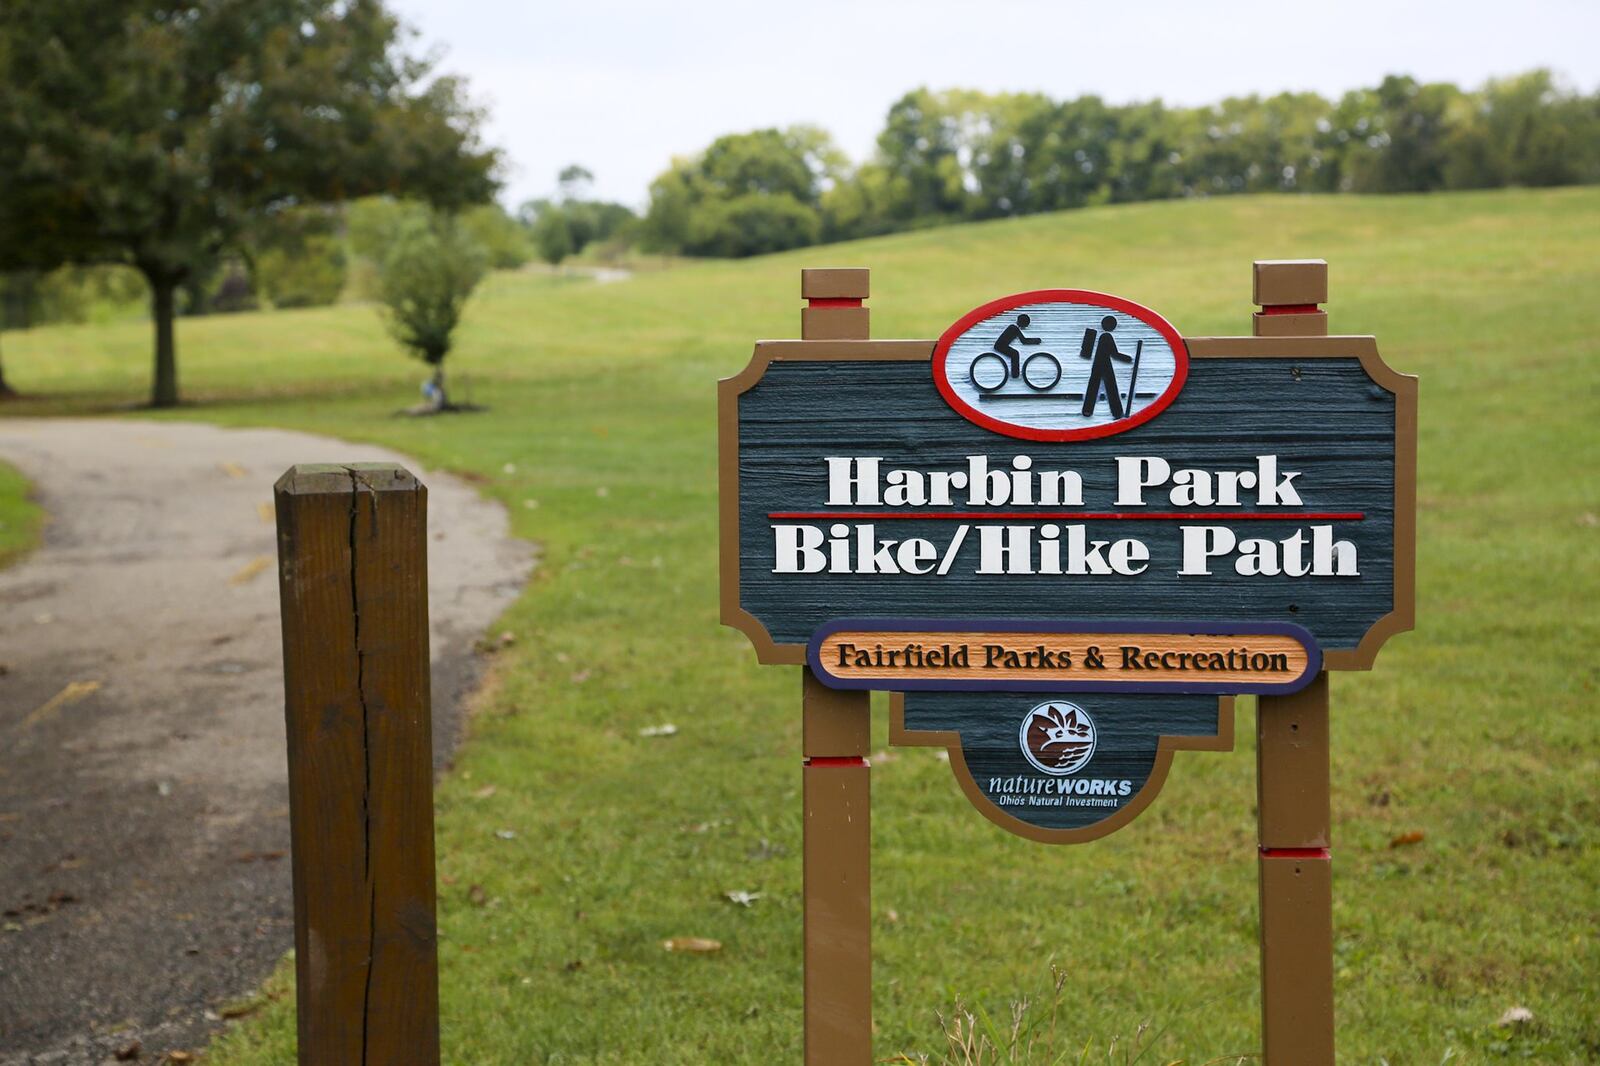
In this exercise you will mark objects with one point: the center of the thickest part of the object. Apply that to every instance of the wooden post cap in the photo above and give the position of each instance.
(1280, 282)
(834, 283)
(314, 479)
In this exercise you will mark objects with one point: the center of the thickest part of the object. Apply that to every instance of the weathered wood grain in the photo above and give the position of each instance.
(1324, 417)
(352, 550)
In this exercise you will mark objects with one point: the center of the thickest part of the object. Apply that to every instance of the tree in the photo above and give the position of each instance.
(573, 220)
(746, 194)
(431, 267)
(299, 258)
(551, 232)
(153, 132)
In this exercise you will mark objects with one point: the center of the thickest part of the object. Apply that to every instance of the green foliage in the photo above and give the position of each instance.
(964, 155)
(574, 220)
(771, 181)
(300, 257)
(156, 133)
(429, 270)
(551, 233)
(753, 224)
(309, 274)
(504, 240)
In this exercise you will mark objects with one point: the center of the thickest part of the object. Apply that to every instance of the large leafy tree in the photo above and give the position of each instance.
(747, 194)
(156, 132)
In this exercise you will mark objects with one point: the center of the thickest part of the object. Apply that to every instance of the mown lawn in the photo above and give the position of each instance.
(1479, 730)
(20, 517)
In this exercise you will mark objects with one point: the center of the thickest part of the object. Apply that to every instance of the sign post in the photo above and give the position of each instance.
(838, 827)
(353, 586)
(1292, 777)
(1063, 537)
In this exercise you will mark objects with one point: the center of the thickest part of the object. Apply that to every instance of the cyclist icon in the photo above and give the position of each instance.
(991, 370)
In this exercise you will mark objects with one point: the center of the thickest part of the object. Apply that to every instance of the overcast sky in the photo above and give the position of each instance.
(621, 86)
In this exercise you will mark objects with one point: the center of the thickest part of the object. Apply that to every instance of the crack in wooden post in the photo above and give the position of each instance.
(356, 700)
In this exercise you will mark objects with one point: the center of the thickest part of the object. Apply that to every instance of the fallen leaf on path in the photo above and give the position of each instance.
(232, 469)
(250, 570)
(741, 897)
(260, 856)
(179, 1056)
(666, 729)
(243, 1008)
(1407, 839)
(267, 512)
(72, 693)
(693, 945)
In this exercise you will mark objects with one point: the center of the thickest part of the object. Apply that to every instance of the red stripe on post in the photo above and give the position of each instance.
(1291, 309)
(836, 760)
(833, 301)
(1295, 853)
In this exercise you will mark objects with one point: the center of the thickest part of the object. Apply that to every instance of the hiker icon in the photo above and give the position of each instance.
(1103, 352)
(991, 370)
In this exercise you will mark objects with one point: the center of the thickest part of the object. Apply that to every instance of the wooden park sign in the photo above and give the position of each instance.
(1063, 536)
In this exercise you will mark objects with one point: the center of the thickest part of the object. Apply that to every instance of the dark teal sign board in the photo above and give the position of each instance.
(1064, 457)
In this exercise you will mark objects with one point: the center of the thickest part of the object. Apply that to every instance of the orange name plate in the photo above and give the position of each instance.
(905, 655)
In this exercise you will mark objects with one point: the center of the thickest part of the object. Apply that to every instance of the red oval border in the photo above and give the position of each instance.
(1180, 356)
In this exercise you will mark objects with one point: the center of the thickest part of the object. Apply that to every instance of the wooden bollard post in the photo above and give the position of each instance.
(352, 561)
(838, 826)
(1292, 779)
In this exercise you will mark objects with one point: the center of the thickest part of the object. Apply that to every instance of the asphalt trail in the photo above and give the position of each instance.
(144, 880)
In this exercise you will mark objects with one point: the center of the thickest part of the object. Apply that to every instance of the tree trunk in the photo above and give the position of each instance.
(6, 391)
(164, 390)
(441, 399)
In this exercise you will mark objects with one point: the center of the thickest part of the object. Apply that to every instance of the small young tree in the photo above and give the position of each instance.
(431, 267)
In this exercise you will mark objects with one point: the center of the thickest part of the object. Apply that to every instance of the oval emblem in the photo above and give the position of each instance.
(1060, 364)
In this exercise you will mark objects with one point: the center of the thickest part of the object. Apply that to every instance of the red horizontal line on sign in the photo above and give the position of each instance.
(1097, 516)
(1291, 309)
(836, 760)
(834, 301)
(1295, 853)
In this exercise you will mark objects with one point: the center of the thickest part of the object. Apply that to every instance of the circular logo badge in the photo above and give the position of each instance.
(1057, 737)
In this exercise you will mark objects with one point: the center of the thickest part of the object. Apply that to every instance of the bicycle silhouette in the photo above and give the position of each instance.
(991, 370)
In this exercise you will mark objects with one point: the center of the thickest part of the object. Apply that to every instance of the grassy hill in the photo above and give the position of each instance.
(1478, 731)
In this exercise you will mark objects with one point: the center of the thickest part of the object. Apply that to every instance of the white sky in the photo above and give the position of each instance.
(621, 86)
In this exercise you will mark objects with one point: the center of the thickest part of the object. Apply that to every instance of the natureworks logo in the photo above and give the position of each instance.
(1057, 737)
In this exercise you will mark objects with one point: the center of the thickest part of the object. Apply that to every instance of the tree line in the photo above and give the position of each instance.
(961, 155)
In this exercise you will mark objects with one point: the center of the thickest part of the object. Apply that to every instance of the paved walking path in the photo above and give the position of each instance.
(143, 809)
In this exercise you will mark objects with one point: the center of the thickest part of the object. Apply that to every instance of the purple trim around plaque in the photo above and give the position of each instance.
(1065, 684)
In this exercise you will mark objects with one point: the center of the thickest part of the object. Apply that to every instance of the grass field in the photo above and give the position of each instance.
(1478, 731)
(20, 518)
